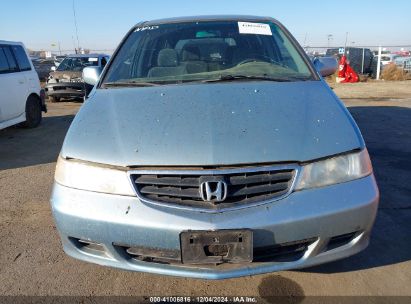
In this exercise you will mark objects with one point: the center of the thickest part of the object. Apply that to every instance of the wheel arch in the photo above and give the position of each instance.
(33, 95)
(38, 97)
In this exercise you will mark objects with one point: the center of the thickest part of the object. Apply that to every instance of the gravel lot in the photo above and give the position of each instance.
(32, 261)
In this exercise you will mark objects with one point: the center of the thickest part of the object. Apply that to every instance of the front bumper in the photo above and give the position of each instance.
(66, 89)
(317, 214)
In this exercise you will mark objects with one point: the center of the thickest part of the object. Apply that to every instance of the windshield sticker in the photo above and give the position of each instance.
(254, 28)
(146, 28)
(93, 59)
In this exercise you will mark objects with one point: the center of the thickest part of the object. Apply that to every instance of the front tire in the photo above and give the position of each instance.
(33, 112)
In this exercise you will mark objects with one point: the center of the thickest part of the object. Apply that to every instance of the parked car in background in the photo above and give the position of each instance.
(388, 58)
(67, 82)
(404, 63)
(403, 53)
(43, 67)
(383, 52)
(374, 66)
(211, 147)
(21, 98)
(360, 59)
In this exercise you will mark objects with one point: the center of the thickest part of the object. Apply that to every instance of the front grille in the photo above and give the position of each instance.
(284, 252)
(244, 185)
(340, 240)
(153, 255)
(89, 247)
(58, 88)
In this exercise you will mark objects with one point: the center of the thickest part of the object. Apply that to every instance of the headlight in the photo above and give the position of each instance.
(51, 80)
(91, 177)
(335, 170)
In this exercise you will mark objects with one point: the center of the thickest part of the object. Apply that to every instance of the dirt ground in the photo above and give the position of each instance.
(32, 261)
(375, 90)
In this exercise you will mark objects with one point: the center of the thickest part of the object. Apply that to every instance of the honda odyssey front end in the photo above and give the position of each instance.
(211, 148)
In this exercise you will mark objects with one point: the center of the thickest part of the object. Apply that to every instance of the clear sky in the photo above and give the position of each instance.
(102, 24)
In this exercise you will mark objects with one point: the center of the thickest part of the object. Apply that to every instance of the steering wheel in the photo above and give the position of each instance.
(256, 57)
(262, 58)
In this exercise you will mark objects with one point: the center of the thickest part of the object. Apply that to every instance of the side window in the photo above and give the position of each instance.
(21, 56)
(4, 65)
(10, 59)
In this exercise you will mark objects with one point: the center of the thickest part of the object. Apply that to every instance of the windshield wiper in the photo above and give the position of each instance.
(129, 84)
(229, 77)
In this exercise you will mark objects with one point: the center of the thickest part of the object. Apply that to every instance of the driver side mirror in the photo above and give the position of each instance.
(91, 74)
(326, 66)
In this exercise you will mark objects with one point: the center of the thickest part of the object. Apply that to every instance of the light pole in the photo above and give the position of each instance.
(346, 39)
(74, 44)
(75, 25)
(329, 38)
(58, 44)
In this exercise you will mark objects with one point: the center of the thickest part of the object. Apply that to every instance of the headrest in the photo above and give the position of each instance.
(191, 53)
(167, 58)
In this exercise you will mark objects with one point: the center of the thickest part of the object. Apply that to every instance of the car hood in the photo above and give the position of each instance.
(66, 75)
(211, 124)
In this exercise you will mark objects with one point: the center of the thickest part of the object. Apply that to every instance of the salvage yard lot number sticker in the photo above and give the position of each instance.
(254, 28)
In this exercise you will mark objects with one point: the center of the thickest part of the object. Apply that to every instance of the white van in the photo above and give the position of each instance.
(21, 98)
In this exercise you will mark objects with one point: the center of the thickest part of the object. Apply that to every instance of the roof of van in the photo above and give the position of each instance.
(11, 42)
(208, 18)
(86, 55)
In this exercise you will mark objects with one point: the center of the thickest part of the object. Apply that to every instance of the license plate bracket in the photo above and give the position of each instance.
(216, 247)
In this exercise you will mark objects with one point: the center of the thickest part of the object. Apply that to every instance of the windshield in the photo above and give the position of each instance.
(206, 51)
(77, 63)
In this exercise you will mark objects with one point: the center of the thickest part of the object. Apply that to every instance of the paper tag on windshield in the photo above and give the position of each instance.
(91, 59)
(254, 28)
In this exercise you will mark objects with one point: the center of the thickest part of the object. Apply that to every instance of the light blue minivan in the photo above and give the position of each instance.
(211, 147)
